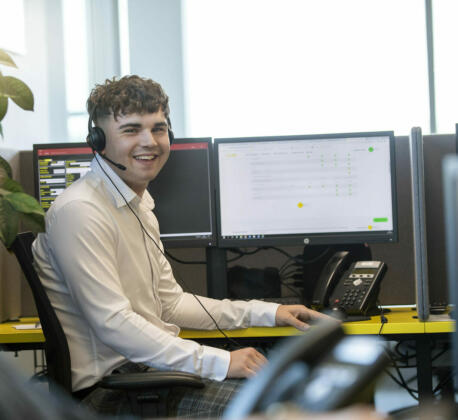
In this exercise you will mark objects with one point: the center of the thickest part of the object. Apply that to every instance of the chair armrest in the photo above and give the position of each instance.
(154, 379)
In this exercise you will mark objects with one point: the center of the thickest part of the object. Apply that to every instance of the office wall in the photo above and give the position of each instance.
(155, 38)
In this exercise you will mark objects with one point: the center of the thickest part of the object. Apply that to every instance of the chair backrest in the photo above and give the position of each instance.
(56, 347)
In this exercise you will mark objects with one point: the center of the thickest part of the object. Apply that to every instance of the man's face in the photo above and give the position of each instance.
(140, 143)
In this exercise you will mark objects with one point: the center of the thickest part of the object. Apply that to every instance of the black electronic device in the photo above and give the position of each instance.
(183, 193)
(56, 166)
(183, 190)
(253, 283)
(306, 190)
(357, 290)
(321, 370)
(348, 285)
(329, 277)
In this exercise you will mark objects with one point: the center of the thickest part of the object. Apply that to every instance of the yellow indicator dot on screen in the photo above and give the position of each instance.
(300, 205)
(370, 227)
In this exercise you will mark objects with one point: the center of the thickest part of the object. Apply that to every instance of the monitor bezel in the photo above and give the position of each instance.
(192, 241)
(330, 238)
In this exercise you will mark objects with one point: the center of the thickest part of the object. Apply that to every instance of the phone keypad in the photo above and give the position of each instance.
(356, 289)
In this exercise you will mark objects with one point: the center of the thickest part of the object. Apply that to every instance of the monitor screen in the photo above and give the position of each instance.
(321, 189)
(184, 197)
(56, 166)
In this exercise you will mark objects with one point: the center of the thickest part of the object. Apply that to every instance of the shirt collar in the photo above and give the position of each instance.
(118, 188)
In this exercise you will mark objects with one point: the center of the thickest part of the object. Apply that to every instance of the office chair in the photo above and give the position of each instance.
(146, 390)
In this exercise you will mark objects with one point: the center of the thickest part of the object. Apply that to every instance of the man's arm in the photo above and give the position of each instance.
(83, 244)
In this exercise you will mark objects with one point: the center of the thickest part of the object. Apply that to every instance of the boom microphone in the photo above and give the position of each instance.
(118, 165)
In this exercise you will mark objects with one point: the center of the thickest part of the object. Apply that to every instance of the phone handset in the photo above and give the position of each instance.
(329, 277)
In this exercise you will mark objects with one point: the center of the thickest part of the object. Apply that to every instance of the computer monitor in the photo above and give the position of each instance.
(183, 190)
(184, 195)
(310, 189)
(56, 166)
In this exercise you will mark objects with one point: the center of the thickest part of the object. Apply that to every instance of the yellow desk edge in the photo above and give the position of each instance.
(400, 321)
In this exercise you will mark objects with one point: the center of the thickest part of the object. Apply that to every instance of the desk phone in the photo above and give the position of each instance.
(357, 290)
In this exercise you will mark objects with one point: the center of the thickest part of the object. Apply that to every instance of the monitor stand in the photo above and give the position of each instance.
(216, 273)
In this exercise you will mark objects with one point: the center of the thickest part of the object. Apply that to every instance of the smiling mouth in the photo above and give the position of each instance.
(145, 158)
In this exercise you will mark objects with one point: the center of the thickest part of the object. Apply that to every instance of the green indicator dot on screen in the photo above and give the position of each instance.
(380, 219)
(371, 149)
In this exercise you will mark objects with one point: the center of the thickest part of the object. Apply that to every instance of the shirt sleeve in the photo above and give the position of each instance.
(83, 242)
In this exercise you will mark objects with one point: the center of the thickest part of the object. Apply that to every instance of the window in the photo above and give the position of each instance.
(263, 67)
(445, 29)
(76, 67)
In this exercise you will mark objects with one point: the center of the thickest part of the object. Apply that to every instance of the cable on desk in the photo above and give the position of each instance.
(243, 253)
(383, 318)
(182, 261)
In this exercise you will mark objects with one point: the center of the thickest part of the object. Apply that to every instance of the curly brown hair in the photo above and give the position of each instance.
(128, 95)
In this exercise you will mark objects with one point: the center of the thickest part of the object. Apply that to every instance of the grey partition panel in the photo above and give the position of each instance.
(398, 285)
(435, 148)
(450, 174)
(419, 223)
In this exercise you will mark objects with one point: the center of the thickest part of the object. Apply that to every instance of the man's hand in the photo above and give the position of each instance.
(298, 316)
(245, 363)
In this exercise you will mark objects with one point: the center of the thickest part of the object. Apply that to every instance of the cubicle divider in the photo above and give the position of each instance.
(398, 286)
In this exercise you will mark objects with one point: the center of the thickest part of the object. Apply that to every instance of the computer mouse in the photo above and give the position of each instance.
(337, 312)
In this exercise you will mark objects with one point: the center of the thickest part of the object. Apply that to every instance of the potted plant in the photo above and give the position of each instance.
(15, 205)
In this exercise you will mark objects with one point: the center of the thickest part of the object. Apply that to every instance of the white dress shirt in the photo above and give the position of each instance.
(114, 291)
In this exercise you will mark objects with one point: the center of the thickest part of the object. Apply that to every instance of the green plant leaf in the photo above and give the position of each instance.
(3, 106)
(11, 185)
(6, 59)
(5, 169)
(34, 222)
(24, 203)
(9, 222)
(19, 92)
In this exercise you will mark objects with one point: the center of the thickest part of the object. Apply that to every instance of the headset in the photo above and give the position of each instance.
(97, 141)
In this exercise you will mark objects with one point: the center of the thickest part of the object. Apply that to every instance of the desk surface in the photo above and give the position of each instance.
(400, 321)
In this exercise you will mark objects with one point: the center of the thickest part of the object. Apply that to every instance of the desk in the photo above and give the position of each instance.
(401, 325)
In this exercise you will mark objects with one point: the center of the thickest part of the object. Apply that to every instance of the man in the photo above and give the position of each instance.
(102, 264)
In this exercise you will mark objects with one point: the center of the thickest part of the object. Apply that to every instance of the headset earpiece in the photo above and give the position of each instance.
(95, 137)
